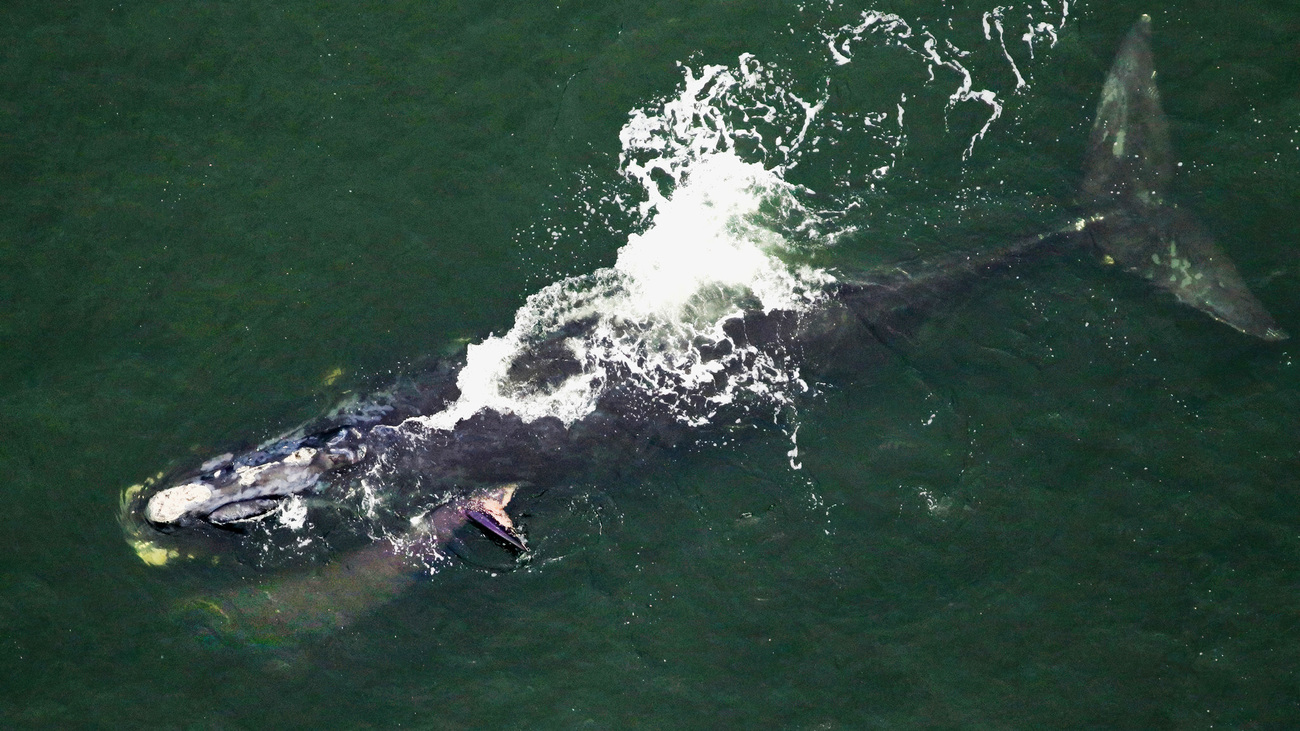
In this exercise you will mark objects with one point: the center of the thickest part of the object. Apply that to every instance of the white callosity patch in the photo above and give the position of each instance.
(270, 475)
(286, 476)
(169, 505)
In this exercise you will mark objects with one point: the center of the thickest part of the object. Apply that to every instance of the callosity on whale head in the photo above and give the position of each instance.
(232, 490)
(229, 490)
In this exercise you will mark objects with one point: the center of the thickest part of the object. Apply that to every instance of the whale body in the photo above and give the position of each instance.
(442, 469)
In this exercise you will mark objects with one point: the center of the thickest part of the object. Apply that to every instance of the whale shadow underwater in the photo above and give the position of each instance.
(436, 479)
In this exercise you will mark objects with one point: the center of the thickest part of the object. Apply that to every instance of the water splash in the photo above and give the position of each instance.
(721, 110)
(710, 164)
(705, 258)
(721, 226)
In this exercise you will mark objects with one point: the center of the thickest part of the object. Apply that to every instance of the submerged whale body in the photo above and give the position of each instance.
(440, 470)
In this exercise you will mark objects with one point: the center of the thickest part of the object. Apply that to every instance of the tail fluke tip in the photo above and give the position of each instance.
(1131, 220)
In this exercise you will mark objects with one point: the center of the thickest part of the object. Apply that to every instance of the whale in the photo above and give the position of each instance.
(439, 472)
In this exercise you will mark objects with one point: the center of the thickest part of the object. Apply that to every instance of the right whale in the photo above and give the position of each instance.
(470, 471)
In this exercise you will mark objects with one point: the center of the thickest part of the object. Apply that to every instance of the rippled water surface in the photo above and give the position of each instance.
(1063, 501)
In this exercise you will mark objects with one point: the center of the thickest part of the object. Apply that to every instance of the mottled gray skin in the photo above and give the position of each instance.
(1132, 222)
(1128, 220)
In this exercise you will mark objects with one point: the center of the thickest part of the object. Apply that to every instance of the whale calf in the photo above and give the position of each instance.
(424, 451)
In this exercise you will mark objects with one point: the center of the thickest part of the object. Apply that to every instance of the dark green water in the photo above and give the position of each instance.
(1066, 504)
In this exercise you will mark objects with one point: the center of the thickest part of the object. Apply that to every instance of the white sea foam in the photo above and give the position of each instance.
(940, 52)
(709, 249)
(673, 286)
(720, 222)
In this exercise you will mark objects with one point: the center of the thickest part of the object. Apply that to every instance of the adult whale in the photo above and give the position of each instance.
(437, 468)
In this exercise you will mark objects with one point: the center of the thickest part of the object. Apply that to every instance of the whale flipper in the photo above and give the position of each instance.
(1127, 173)
(488, 512)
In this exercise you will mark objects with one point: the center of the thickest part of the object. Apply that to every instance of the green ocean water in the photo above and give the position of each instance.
(1063, 503)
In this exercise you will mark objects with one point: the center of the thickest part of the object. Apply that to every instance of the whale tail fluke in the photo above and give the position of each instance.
(1130, 220)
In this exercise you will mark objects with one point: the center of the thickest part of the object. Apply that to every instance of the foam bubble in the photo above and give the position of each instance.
(704, 237)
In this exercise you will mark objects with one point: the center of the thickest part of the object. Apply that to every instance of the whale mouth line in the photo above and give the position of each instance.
(246, 511)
